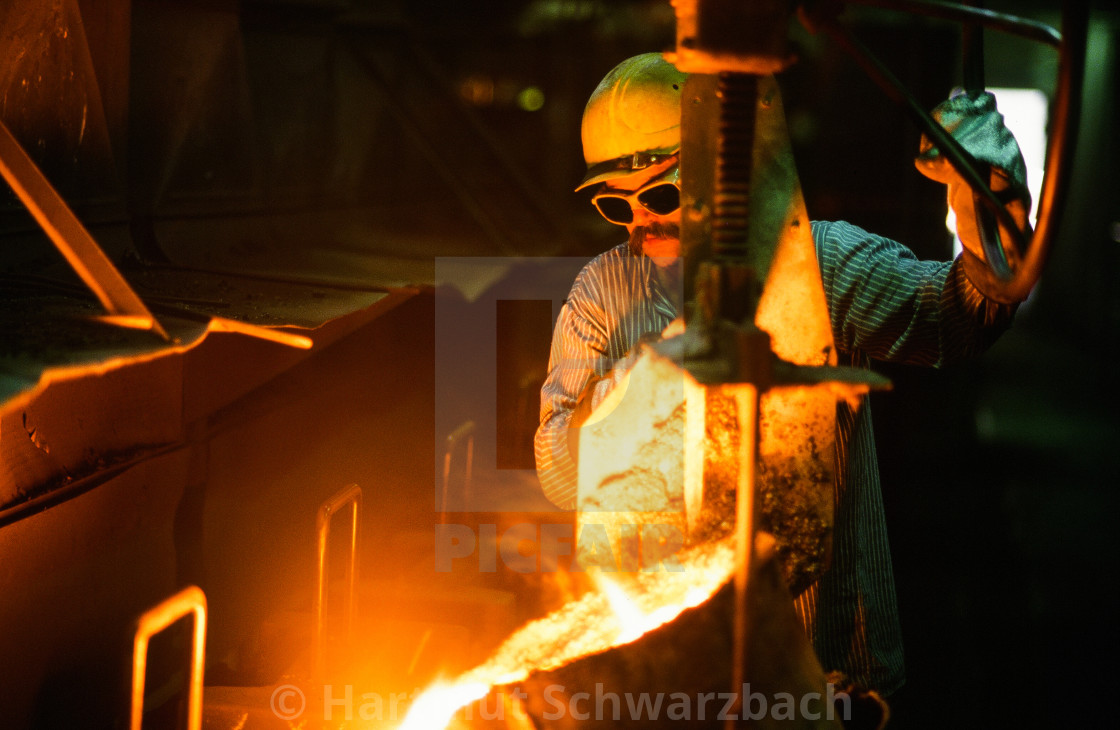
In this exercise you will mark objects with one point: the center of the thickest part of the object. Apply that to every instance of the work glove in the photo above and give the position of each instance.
(973, 121)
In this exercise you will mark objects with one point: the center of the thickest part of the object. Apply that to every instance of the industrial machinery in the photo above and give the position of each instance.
(239, 411)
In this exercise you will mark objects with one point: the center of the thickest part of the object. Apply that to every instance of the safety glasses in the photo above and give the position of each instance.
(659, 198)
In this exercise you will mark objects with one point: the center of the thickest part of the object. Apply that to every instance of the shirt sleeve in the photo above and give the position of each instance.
(885, 303)
(579, 353)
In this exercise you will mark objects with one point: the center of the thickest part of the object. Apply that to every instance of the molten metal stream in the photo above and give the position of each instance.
(598, 621)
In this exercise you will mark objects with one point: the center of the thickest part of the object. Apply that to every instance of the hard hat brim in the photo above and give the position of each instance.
(625, 166)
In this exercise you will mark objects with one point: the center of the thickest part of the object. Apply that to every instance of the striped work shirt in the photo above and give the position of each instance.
(883, 304)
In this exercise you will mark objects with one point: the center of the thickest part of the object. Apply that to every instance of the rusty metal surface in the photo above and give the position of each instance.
(748, 37)
(797, 427)
(792, 307)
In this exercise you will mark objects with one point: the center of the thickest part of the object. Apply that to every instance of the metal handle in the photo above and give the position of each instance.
(187, 601)
(351, 495)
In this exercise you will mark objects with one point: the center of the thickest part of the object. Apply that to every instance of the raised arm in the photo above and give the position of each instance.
(885, 303)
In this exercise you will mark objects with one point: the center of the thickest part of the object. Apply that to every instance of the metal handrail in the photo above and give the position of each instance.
(349, 495)
(190, 600)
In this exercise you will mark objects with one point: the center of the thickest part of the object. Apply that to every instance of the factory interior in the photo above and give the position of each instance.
(337, 234)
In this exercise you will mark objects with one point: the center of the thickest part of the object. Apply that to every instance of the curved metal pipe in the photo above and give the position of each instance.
(1030, 29)
(1060, 150)
(1063, 132)
(964, 163)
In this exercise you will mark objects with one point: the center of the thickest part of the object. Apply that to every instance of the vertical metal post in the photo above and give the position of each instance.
(464, 431)
(351, 495)
(746, 402)
(187, 601)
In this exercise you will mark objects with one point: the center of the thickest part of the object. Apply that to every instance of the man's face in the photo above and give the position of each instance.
(653, 234)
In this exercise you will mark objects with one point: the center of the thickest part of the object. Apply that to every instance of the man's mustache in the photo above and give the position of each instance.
(654, 230)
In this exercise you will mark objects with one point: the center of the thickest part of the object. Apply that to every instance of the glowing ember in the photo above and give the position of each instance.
(586, 626)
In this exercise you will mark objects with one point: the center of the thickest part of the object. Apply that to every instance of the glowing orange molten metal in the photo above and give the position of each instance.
(600, 620)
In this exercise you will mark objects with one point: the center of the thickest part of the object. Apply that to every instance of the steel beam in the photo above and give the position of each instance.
(72, 239)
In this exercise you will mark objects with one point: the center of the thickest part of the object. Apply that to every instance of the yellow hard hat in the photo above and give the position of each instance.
(633, 118)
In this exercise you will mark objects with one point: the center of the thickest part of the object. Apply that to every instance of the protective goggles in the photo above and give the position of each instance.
(659, 197)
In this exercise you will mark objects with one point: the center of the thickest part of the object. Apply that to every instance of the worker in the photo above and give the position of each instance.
(883, 304)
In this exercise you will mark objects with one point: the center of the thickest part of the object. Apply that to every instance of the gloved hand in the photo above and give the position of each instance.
(674, 328)
(973, 121)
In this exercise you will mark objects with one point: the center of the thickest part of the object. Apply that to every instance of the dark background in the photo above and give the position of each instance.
(999, 476)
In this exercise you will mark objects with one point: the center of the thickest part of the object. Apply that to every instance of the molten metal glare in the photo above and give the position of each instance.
(435, 708)
(629, 617)
(598, 621)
